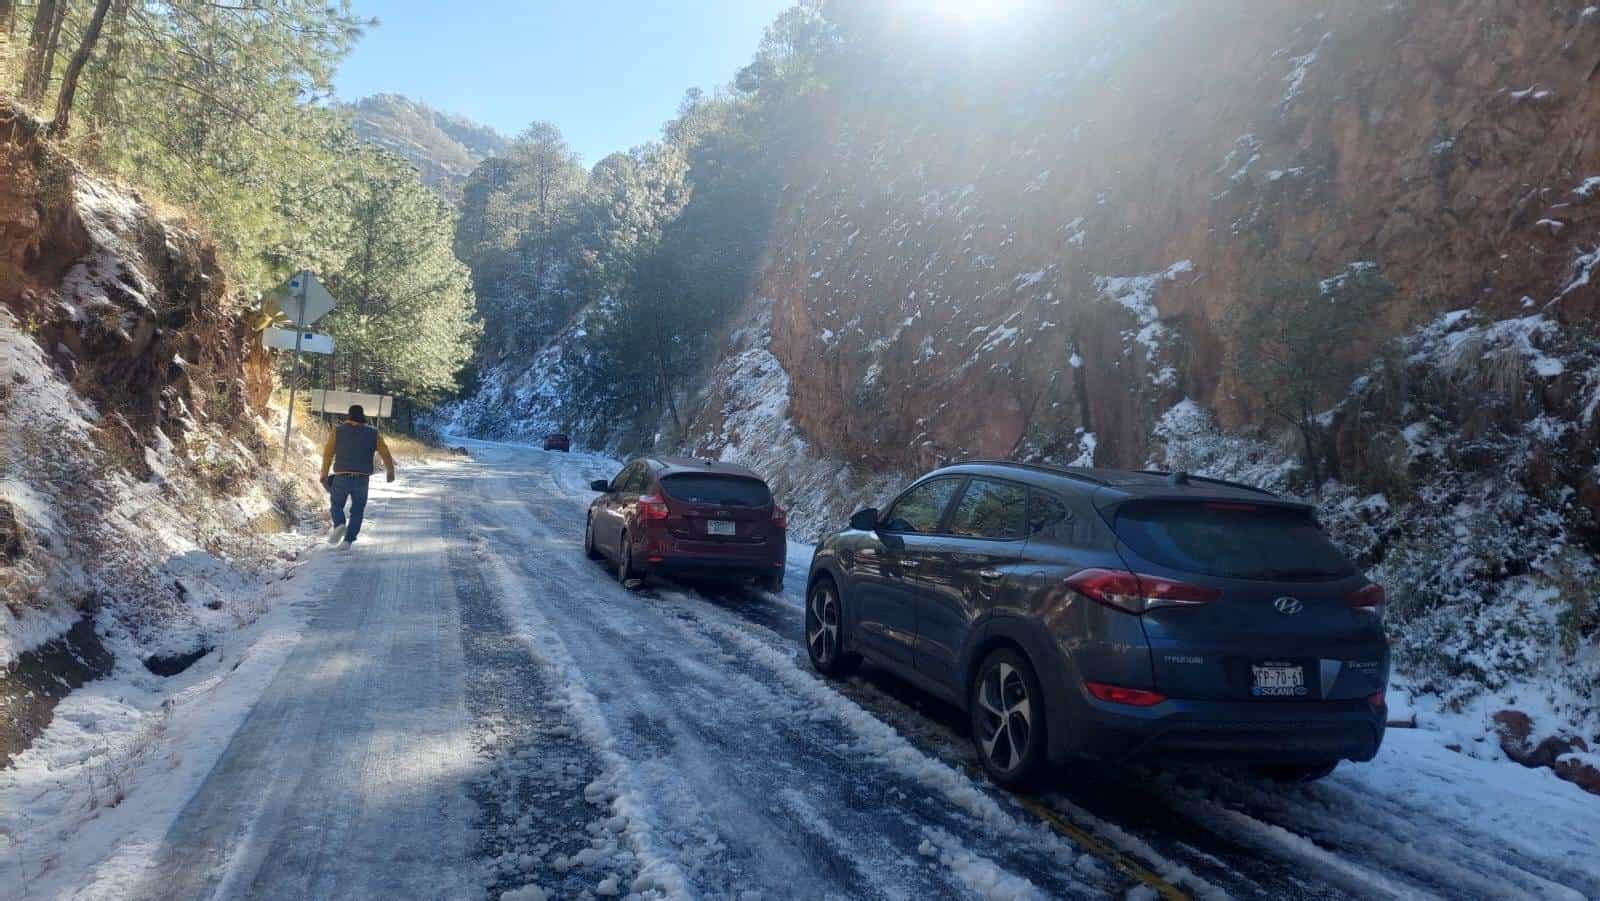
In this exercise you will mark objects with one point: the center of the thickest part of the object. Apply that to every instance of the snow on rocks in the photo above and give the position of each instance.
(748, 423)
(165, 554)
(1136, 294)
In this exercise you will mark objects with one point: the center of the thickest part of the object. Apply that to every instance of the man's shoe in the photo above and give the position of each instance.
(346, 545)
(335, 533)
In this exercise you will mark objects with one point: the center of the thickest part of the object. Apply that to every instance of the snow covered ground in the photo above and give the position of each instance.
(466, 707)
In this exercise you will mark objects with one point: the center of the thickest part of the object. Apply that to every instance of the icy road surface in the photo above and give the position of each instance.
(476, 710)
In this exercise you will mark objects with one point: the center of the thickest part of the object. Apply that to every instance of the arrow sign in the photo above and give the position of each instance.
(318, 302)
(310, 342)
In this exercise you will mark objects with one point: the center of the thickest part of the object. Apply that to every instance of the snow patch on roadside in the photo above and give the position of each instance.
(84, 810)
(980, 876)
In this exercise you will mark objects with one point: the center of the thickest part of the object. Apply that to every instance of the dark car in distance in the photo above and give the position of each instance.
(686, 517)
(557, 442)
(1076, 612)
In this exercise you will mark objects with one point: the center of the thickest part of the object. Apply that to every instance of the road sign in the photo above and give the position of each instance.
(317, 301)
(380, 406)
(284, 339)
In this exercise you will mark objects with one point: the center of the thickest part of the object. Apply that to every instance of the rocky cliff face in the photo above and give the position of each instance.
(1039, 251)
(443, 147)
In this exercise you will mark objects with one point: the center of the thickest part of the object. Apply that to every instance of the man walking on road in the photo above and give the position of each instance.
(348, 454)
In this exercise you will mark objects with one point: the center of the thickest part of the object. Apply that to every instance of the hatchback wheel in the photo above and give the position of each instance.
(825, 631)
(589, 550)
(1008, 728)
(626, 574)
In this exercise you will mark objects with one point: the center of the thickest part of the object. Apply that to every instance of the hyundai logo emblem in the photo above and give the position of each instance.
(1288, 606)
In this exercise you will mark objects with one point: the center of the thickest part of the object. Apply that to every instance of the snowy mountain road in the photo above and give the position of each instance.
(476, 709)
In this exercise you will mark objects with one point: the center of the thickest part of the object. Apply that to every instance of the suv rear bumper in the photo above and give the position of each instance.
(1241, 731)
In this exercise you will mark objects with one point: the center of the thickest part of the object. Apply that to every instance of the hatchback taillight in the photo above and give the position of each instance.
(780, 519)
(1137, 593)
(652, 508)
(1369, 599)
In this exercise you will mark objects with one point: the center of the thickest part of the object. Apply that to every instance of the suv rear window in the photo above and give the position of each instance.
(726, 491)
(1231, 540)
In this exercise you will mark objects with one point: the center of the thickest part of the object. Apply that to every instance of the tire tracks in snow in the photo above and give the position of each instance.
(656, 875)
(532, 795)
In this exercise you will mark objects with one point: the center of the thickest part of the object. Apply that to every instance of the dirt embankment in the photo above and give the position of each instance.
(135, 491)
(133, 310)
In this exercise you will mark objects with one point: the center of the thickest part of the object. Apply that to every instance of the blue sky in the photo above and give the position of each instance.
(607, 72)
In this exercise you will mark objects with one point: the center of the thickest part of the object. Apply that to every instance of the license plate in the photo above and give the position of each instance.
(1277, 680)
(721, 527)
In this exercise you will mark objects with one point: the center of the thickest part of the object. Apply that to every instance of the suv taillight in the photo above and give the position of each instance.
(1369, 599)
(1116, 694)
(1136, 593)
(653, 508)
(780, 519)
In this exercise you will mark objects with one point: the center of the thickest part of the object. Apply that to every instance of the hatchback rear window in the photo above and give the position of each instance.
(1231, 540)
(726, 491)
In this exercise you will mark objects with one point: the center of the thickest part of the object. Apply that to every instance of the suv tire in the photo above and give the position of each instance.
(589, 550)
(824, 630)
(1006, 706)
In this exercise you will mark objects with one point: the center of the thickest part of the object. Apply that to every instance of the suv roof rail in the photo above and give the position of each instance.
(1191, 477)
(1038, 467)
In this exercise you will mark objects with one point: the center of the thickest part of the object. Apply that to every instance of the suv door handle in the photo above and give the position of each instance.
(990, 574)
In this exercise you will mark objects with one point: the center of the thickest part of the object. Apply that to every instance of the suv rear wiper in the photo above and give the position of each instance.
(1295, 575)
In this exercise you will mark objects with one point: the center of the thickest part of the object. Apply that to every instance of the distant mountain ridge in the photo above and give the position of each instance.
(443, 146)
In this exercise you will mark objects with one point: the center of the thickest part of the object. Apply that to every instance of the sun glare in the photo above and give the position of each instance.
(975, 12)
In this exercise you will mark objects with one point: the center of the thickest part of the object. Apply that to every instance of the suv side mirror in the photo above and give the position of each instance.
(600, 485)
(865, 520)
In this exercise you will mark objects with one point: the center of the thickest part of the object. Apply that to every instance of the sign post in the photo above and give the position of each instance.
(297, 288)
(311, 302)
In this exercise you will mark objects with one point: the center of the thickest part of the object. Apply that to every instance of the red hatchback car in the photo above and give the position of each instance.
(557, 442)
(688, 517)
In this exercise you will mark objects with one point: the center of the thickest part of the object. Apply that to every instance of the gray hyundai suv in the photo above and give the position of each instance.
(1109, 614)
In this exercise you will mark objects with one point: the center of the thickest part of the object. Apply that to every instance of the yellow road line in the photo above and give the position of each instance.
(1105, 852)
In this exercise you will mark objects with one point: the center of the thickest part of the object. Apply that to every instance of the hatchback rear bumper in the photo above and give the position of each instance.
(1239, 731)
(712, 567)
